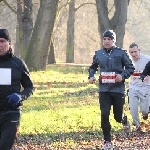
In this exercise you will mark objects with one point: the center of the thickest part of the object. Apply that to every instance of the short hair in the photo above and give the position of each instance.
(132, 45)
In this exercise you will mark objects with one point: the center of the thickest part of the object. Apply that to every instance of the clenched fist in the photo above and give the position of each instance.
(92, 80)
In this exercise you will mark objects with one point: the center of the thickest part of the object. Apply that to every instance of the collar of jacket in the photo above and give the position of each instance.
(8, 55)
(108, 50)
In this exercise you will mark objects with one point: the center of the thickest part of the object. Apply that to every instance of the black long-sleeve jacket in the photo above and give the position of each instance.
(146, 71)
(21, 82)
(115, 60)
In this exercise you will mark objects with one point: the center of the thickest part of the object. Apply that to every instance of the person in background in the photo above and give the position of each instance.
(138, 90)
(115, 66)
(14, 77)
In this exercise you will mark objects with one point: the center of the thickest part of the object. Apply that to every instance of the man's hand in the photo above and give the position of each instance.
(146, 79)
(14, 99)
(92, 80)
(118, 78)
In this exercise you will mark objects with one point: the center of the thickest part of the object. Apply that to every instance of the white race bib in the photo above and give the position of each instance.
(5, 76)
(136, 75)
(108, 77)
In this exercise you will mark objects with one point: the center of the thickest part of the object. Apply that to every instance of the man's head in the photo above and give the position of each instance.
(109, 38)
(4, 41)
(134, 51)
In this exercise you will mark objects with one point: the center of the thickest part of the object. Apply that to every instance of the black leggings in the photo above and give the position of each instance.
(9, 125)
(107, 99)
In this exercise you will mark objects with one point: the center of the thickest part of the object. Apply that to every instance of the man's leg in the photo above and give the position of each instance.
(144, 103)
(8, 130)
(133, 103)
(118, 103)
(118, 106)
(105, 106)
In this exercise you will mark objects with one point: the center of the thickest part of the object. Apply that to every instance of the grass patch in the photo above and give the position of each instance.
(64, 109)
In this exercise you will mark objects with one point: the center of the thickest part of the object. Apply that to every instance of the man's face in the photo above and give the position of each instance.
(107, 42)
(135, 53)
(4, 46)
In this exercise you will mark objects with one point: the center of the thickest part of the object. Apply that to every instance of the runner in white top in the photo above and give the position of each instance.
(138, 90)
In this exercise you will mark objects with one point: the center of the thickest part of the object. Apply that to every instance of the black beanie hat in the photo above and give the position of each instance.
(5, 34)
(110, 34)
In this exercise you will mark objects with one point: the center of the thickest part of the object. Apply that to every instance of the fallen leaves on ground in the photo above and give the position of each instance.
(121, 140)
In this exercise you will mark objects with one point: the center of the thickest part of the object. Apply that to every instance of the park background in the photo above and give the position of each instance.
(64, 111)
(86, 27)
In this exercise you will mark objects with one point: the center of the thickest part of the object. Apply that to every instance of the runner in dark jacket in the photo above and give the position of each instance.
(15, 86)
(114, 67)
(146, 71)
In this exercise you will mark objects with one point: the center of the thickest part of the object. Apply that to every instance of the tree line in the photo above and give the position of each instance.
(34, 40)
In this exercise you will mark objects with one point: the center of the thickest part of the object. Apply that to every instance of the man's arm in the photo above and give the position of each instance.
(92, 70)
(26, 83)
(146, 71)
(128, 66)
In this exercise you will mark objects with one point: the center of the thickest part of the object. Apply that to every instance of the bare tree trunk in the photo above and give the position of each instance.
(70, 33)
(51, 56)
(19, 31)
(37, 55)
(24, 27)
(118, 21)
(27, 24)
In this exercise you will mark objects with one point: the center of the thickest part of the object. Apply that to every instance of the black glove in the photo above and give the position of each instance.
(142, 77)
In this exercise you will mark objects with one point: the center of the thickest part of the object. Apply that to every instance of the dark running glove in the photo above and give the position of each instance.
(14, 99)
(142, 77)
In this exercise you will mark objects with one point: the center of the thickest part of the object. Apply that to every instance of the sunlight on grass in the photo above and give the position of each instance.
(82, 118)
(63, 113)
(64, 102)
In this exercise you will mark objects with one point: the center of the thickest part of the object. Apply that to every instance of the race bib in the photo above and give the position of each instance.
(136, 75)
(108, 77)
(5, 78)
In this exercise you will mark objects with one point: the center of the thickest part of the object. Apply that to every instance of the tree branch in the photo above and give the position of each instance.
(9, 6)
(64, 5)
(83, 5)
